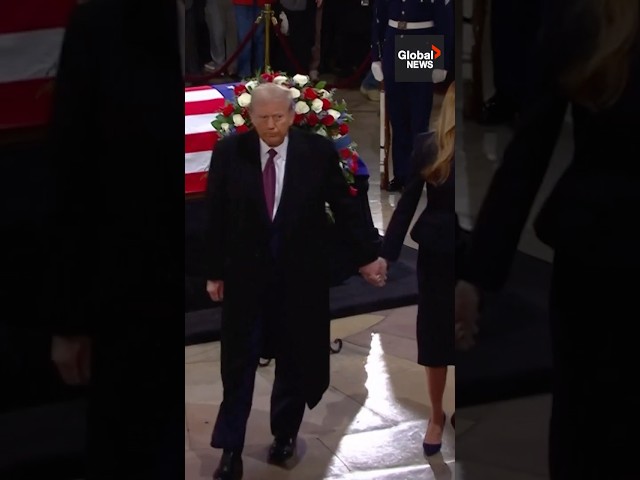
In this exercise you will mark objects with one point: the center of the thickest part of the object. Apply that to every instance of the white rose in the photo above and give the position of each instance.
(322, 131)
(302, 108)
(324, 93)
(316, 105)
(238, 120)
(295, 93)
(224, 127)
(250, 85)
(280, 79)
(244, 99)
(334, 113)
(301, 80)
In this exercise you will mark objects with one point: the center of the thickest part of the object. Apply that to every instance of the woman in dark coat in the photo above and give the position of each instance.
(435, 232)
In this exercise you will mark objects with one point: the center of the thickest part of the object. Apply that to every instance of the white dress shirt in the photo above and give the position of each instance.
(279, 161)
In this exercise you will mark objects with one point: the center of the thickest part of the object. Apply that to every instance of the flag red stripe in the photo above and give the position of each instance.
(195, 183)
(25, 104)
(199, 142)
(27, 15)
(206, 106)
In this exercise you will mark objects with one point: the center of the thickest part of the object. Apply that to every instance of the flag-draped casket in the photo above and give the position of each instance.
(31, 35)
(200, 105)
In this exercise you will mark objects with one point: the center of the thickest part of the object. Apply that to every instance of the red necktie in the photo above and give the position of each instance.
(269, 182)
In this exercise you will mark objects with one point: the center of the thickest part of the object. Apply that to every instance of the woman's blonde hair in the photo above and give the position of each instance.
(445, 136)
(599, 80)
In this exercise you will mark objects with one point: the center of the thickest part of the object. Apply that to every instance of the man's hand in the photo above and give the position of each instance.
(438, 75)
(375, 273)
(72, 357)
(215, 289)
(284, 23)
(376, 69)
(467, 305)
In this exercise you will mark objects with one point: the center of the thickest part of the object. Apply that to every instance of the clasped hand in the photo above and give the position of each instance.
(375, 272)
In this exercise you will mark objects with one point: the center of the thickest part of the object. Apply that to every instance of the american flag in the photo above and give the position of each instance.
(200, 105)
(31, 34)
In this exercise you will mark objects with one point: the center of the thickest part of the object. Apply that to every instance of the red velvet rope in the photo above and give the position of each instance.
(223, 69)
(349, 82)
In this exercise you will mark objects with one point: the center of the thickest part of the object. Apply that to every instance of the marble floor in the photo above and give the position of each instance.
(370, 423)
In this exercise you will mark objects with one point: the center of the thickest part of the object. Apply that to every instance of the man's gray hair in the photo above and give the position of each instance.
(271, 92)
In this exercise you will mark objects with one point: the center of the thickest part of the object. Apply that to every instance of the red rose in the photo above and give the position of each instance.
(312, 119)
(242, 128)
(328, 121)
(239, 89)
(310, 94)
(345, 153)
(228, 110)
(298, 119)
(354, 165)
(326, 104)
(343, 129)
(353, 191)
(267, 77)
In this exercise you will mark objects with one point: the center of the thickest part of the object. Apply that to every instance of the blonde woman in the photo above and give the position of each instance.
(435, 232)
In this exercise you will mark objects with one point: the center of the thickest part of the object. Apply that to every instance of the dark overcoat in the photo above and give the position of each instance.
(238, 237)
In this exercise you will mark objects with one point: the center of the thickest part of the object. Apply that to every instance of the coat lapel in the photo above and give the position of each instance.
(250, 154)
(292, 176)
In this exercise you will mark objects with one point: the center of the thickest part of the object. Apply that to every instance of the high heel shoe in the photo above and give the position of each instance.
(431, 449)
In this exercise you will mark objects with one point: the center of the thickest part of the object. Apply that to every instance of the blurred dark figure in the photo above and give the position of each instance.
(514, 26)
(117, 144)
(589, 60)
(301, 18)
(346, 35)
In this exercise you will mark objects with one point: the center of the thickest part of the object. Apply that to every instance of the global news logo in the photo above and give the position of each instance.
(417, 56)
(420, 59)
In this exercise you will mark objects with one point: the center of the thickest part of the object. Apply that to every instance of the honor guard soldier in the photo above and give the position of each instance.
(409, 103)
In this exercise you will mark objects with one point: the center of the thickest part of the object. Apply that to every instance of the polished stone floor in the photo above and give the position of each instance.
(370, 423)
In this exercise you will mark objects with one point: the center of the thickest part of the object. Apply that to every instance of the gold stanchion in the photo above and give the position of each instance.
(268, 16)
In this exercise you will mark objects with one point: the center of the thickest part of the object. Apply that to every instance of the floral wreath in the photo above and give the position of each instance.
(316, 111)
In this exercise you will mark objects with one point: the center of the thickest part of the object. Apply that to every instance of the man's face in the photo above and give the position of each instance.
(272, 120)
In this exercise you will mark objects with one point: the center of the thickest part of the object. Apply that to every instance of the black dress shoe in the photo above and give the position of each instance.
(282, 449)
(229, 468)
(395, 185)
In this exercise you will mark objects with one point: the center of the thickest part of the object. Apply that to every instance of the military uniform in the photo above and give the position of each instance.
(409, 104)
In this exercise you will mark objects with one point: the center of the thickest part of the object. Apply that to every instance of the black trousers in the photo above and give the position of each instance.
(287, 399)
(301, 38)
(593, 421)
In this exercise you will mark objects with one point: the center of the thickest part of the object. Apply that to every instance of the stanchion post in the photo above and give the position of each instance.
(268, 15)
(385, 140)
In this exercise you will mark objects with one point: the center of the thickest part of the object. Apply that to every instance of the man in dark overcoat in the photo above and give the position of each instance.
(267, 262)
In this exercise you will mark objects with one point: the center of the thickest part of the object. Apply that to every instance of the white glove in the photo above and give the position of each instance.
(376, 69)
(284, 23)
(438, 75)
